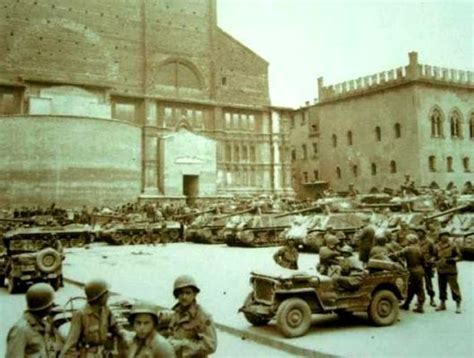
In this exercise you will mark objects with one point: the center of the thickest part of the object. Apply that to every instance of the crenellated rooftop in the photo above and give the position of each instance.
(413, 72)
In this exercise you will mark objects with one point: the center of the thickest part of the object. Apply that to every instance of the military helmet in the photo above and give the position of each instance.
(95, 289)
(332, 240)
(380, 239)
(412, 238)
(39, 297)
(340, 235)
(346, 249)
(143, 307)
(182, 282)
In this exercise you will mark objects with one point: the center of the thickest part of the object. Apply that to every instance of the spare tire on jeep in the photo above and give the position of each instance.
(48, 260)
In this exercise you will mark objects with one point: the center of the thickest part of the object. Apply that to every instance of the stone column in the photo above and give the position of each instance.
(150, 150)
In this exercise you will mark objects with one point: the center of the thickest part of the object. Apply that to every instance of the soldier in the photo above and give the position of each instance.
(379, 250)
(414, 260)
(351, 274)
(447, 254)
(92, 326)
(428, 250)
(352, 191)
(329, 257)
(287, 256)
(402, 233)
(33, 335)
(192, 331)
(147, 343)
(366, 241)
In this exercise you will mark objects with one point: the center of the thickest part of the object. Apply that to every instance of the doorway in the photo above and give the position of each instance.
(191, 188)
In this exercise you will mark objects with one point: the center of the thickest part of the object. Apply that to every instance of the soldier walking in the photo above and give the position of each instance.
(447, 254)
(92, 326)
(287, 256)
(34, 335)
(192, 331)
(428, 250)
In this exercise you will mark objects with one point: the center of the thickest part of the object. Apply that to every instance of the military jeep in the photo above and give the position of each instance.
(293, 298)
(29, 259)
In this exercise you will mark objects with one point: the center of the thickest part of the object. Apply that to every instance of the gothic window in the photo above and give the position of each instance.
(316, 175)
(449, 164)
(393, 167)
(338, 173)
(178, 74)
(374, 169)
(432, 163)
(378, 134)
(334, 140)
(398, 130)
(455, 125)
(349, 138)
(124, 111)
(355, 170)
(436, 123)
(305, 152)
(471, 126)
(465, 164)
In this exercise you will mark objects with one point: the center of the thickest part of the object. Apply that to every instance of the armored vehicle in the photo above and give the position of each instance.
(30, 258)
(293, 298)
(205, 227)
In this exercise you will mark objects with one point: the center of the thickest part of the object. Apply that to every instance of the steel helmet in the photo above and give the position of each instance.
(412, 238)
(332, 240)
(346, 249)
(39, 297)
(184, 281)
(143, 307)
(95, 289)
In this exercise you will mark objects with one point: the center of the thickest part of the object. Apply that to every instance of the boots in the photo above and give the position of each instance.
(419, 308)
(441, 307)
(405, 306)
(458, 307)
(432, 302)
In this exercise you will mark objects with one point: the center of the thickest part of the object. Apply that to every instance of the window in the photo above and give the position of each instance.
(355, 170)
(251, 122)
(253, 154)
(199, 119)
(316, 175)
(292, 121)
(398, 130)
(315, 149)
(236, 153)
(393, 167)
(314, 128)
(305, 177)
(224, 81)
(349, 138)
(303, 117)
(293, 154)
(305, 152)
(436, 129)
(9, 103)
(244, 122)
(228, 153)
(378, 134)
(374, 169)
(449, 164)
(235, 121)
(227, 120)
(471, 126)
(338, 173)
(432, 163)
(245, 153)
(465, 164)
(168, 116)
(334, 140)
(455, 124)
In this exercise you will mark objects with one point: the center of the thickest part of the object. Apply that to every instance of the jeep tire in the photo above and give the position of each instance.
(48, 260)
(253, 319)
(293, 317)
(383, 310)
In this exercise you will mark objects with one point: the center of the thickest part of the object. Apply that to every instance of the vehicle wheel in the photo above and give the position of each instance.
(126, 240)
(383, 310)
(174, 235)
(136, 239)
(13, 285)
(48, 260)
(254, 319)
(293, 317)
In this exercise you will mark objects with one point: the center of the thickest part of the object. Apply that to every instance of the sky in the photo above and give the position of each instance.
(342, 40)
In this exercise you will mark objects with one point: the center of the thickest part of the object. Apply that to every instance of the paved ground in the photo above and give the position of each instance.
(222, 273)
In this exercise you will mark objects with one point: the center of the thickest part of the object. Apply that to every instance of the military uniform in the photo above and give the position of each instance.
(328, 258)
(287, 257)
(91, 327)
(366, 241)
(447, 254)
(192, 332)
(155, 346)
(428, 250)
(378, 252)
(32, 337)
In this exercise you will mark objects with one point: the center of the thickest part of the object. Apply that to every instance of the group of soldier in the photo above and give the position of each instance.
(421, 251)
(190, 329)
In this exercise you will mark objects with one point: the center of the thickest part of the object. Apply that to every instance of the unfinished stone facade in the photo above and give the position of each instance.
(151, 64)
(416, 120)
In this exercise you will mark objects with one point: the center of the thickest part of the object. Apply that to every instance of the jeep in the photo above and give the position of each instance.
(293, 298)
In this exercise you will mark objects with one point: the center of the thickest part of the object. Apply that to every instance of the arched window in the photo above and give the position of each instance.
(374, 169)
(455, 124)
(436, 128)
(398, 130)
(349, 138)
(465, 164)
(378, 134)
(471, 126)
(393, 166)
(338, 172)
(449, 164)
(432, 163)
(355, 170)
(334, 140)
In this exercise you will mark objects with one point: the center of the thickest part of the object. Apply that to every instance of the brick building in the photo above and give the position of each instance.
(417, 120)
(105, 101)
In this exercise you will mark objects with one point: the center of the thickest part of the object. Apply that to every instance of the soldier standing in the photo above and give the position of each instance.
(33, 335)
(428, 250)
(447, 254)
(366, 241)
(92, 326)
(414, 260)
(147, 343)
(287, 256)
(192, 331)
